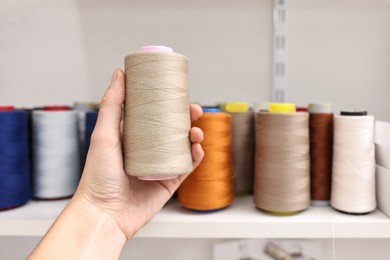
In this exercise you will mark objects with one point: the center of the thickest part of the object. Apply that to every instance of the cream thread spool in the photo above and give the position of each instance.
(157, 117)
(353, 178)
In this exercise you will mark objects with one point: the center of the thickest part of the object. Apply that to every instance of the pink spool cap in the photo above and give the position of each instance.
(156, 48)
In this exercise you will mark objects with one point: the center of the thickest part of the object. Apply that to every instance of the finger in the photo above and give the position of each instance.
(110, 112)
(196, 112)
(197, 154)
(196, 135)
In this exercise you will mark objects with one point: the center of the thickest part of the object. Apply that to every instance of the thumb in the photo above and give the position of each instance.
(110, 112)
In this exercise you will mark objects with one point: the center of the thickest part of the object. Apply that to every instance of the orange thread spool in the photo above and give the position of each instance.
(210, 186)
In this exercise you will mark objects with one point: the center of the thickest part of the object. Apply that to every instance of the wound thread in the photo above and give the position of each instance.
(210, 186)
(157, 122)
(56, 153)
(282, 167)
(243, 136)
(321, 148)
(353, 179)
(14, 158)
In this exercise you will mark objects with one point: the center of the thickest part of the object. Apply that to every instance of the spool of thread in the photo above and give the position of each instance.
(321, 147)
(243, 136)
(353, 178)
(277, 252)
(90, 122)
(382, 144)
(210, 186)
(14, 158)
(282, 167)
(157, 117)
(382, 189)
(56, 153)
(83, 108)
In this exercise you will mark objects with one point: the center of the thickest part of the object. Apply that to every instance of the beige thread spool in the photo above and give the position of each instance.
(282, 166)
(157, 117)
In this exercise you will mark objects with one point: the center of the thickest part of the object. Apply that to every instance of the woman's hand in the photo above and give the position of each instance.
(106, 186)
(109, 206)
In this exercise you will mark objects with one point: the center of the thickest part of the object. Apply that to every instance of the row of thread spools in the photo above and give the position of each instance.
(290, 160)
(286, 158)
(42, 151)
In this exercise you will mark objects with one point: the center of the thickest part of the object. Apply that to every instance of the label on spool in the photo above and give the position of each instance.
(282, 108)
(354, 113)
(302, 109)
(56, 108)
(320, 108)
(235, 107)
(7, 108)
(211, 109)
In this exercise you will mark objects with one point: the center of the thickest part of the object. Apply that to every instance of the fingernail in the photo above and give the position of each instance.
(114, 76)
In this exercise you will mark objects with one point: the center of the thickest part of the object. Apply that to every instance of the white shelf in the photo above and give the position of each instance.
(240, 220)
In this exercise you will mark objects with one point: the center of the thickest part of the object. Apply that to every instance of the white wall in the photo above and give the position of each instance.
(65, 51)
(54, 52)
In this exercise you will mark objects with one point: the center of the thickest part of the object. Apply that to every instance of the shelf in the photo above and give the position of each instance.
(240, 220)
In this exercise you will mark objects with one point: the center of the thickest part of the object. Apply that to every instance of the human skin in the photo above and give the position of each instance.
(110, 206)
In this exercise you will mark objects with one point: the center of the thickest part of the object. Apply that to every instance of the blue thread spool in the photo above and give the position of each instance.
(14, 158)
(90, 122)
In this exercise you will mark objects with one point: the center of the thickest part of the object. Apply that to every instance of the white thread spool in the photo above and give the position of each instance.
(382, 155)
(56, 154)
(353, 179)
(382, 189)
(382, 144)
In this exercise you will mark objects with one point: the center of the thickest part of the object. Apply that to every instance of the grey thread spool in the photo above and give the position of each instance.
(243, 133)
(157, 117)
(56, 154)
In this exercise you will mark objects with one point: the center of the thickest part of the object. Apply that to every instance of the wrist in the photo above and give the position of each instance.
(94, 216)
(81, 232)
